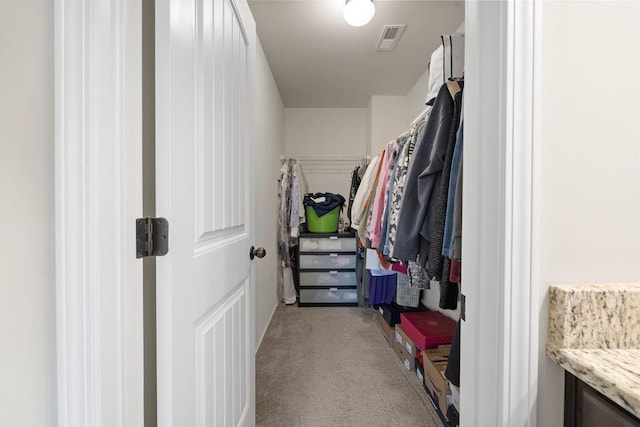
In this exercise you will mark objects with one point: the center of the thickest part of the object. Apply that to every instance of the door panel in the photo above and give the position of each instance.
(205, 322)
(221, 335)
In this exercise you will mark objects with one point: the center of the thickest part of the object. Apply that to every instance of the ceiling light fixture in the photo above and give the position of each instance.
(359, 12)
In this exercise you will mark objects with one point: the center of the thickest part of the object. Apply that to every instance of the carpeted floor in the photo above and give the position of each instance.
(331, 366)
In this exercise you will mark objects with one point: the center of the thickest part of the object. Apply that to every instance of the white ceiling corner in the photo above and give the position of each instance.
(318, 60)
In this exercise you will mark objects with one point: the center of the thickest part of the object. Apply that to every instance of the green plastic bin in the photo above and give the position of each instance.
(327, 223)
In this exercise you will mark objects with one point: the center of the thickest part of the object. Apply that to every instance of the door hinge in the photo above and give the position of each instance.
(152, 237)
(463, 307)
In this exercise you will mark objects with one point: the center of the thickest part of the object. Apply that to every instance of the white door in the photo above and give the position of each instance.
(205, 51)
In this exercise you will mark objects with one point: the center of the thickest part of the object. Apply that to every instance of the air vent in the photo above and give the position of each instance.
(389, 37)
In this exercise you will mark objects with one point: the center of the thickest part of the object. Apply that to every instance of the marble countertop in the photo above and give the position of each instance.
(594, 333)
(612, 372)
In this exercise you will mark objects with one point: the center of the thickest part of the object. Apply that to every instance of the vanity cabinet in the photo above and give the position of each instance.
(587, 407)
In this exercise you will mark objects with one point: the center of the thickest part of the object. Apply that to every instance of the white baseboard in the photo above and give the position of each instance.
(266, 327)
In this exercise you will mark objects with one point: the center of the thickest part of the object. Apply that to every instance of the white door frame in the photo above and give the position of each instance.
(99, 281)
(499, 350)
(98, 194)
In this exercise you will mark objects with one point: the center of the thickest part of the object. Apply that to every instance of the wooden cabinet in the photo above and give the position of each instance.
(586, 407)
(327, 269)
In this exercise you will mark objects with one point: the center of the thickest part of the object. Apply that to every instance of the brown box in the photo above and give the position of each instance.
(405, 349)
(387, 330)
(404, 340)
(442, 351)
(435, 363)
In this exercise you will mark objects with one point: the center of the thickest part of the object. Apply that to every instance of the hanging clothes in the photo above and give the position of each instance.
(423, 181)
(457, 217)
(356, 179)
(363, 192)
(438, 267)
(406, 207)
(448, 240)
(291, 185)
(284, 214)
(380, 202)
(299, 188)
(367, 206)
(399, 183)
(294, 217)
(383, 245)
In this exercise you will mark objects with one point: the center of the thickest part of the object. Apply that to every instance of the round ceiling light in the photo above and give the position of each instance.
(359, 12)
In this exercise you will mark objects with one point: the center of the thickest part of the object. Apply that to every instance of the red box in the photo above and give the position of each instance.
(428, 329)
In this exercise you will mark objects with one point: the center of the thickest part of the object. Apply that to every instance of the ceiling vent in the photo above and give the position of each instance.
(389, 37)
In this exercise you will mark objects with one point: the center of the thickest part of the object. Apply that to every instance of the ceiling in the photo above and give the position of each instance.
(318, 60)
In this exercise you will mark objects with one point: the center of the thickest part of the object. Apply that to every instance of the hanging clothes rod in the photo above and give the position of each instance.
(326, 158)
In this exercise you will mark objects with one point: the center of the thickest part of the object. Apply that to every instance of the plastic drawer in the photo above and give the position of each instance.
(333, 278)
(328, 261)
(325, 244)
(329, 295)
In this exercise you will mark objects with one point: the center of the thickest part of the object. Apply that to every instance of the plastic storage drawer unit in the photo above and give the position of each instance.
(332, 278)
(327, 269)
(325, 244)
(332, 261)
(329, 296)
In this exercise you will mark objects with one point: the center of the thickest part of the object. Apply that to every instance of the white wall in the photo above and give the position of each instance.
(388, 120)
(269, 147)
(590, 159)
(417, 97)
(27, 298)
(326, 132)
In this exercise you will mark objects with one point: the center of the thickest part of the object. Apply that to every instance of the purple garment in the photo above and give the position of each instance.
(382, 289)
(400, 267)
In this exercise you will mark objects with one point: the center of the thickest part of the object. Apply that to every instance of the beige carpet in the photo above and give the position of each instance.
(331, 366)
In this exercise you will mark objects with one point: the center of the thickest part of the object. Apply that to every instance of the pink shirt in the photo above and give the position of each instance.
(380, 202)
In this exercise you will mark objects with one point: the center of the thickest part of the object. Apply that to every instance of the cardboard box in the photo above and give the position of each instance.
(402, 338)
(407, 359)
(405, 349)
(435, 363)
(387, 330)
(441, 351)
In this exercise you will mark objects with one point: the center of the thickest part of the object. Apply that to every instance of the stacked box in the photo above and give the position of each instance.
(391, 312)
(386, 330)
(404, 348)
(435, 364)
(428, 329)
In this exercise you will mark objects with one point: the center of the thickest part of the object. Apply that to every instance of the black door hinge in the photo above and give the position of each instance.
(152, 237)
(463, 307)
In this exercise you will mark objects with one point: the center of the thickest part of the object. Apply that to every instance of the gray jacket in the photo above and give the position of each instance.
(423, 181)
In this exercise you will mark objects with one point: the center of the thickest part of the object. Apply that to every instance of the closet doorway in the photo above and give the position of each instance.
(502, 334)
(499, 336)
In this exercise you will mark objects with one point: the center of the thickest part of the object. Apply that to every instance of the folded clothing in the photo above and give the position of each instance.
(391, 312)
(382, 289)
(323, 203)
(428, 329)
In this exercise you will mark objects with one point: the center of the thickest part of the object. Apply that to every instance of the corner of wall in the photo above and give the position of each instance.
(368, 143)
(270, 125)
